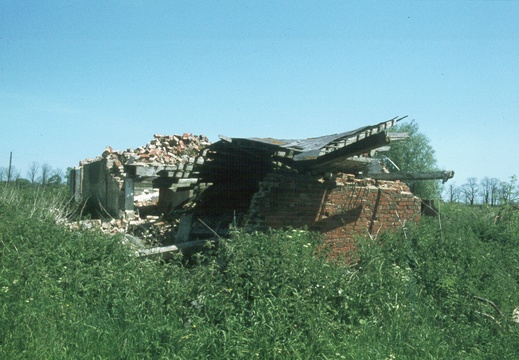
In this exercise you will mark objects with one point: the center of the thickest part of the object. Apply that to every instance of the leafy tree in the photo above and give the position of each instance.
(23, 183)
(68, 176)
(414, 155)
(56, 179)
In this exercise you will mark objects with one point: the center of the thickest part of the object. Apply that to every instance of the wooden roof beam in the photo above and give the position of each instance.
(433, 175)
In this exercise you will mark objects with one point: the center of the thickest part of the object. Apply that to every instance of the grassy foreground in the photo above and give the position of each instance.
(442, 290)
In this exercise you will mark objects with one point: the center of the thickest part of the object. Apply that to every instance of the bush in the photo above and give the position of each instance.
(446, 291)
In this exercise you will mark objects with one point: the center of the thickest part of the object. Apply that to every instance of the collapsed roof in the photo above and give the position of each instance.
(344, 152)
(250, 158)
(218, 181)
(234, 167)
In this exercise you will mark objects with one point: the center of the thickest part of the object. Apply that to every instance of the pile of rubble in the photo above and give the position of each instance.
(151, 230)
(163, 150)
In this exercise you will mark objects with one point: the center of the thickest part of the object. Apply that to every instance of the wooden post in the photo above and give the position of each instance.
(78, 184)
(184, 228)
(9, 169)
(128, 194)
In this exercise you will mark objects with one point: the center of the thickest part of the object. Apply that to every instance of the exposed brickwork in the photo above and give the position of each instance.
(339, 208)
(107, 180)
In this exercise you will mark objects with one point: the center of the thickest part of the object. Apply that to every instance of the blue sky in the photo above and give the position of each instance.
(78, 76)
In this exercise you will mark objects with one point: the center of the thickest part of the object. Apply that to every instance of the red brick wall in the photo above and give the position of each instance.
(339, 208)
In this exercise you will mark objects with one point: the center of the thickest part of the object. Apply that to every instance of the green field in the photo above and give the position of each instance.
(445, 289)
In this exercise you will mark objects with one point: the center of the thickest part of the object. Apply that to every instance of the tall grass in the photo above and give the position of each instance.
(68, 295)
(37, 202)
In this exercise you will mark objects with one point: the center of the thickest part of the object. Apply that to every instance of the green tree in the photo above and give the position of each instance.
(23, 183)
(414, 155)
(69, 176)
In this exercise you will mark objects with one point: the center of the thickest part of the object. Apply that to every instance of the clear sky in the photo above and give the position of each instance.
(78, 76)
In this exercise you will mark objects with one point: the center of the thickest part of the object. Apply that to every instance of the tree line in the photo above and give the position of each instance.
(487, 191)
(43, 175)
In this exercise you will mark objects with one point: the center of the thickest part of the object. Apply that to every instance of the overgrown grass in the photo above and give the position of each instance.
(36, 202)
(419, 293)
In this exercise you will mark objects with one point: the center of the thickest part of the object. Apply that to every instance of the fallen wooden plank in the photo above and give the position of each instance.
(184, 228)
(166, 251)
(156, 250)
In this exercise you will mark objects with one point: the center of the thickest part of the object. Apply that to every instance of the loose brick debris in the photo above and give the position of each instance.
(161, 151)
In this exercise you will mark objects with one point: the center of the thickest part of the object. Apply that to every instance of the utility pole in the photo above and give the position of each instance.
(9, 169)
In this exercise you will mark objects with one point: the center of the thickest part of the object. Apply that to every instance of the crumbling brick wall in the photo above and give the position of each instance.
(340, 208)
(110, 183)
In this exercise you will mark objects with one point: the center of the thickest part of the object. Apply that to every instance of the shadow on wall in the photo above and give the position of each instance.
(339, 208)
(332, 222)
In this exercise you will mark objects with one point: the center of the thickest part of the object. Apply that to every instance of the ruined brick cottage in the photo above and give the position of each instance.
(331, 184)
